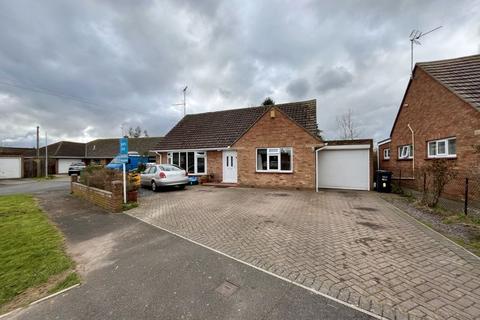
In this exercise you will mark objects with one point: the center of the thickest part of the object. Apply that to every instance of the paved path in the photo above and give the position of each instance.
(132, 270)
(33, 185)
(349, 245)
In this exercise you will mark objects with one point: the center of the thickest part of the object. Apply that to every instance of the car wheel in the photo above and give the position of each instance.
(154, 186)
(181, 187)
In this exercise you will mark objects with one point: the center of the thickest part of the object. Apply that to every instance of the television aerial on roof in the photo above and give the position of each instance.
(184, 103)
(415, 35)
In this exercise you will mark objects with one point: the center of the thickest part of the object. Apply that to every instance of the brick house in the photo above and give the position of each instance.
(439, 117)
(265, 146)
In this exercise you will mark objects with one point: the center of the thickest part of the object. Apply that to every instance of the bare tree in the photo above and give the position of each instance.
(137, 132)
(347, 127)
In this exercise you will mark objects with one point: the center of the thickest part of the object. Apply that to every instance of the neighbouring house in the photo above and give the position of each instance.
(265, 146)
(102, 151)
(60, 155)
(439, 117)
(63, 153)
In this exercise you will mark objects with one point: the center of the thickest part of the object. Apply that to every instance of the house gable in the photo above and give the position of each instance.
(433, 112)
(273, 131)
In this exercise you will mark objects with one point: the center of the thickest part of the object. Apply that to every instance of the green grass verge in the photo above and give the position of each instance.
(70, 280)
(31, 248)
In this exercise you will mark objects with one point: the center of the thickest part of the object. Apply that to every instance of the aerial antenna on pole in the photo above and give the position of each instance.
(415, 35)
(184, 103)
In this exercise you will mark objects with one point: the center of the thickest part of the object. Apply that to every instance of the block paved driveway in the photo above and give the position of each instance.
(350, 245)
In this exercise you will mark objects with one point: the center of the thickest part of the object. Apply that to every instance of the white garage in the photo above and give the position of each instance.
(10, 167)
(63, 164)
(344, 167)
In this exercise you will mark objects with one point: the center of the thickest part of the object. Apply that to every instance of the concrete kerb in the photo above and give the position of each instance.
(40, 300)
(376, 316)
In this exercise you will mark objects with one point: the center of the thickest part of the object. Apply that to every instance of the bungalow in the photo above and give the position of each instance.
(102, 151)
(439, 117)
(265, 146)
(60, 155)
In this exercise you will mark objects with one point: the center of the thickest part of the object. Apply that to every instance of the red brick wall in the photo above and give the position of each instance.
(384, 164)
(277, 132)
(215, 165)
(110, 201)
(434, 112)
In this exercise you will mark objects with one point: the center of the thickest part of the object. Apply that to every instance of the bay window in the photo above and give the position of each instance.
(274, 159)
(194, 162)
(442, 148)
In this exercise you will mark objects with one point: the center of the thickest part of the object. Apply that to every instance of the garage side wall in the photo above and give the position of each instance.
(274, 132)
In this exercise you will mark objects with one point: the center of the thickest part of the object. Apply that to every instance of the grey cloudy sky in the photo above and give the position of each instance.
(127, 61)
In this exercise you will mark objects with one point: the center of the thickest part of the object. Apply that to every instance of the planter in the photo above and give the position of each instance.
(132, 196)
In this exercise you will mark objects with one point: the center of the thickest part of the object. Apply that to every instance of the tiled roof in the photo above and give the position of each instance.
(460, 75)
(61, 149)
(15, 151)
(222, 128)
(109, 148)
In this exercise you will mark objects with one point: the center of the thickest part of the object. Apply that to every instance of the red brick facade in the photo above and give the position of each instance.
(274, 132)
(433, 112)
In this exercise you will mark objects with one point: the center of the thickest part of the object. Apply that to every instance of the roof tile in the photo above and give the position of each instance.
(221, 129)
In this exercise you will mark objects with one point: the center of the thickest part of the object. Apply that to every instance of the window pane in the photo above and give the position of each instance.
(273, 162)
(262, 159)
(285, 161)
(410, 151)
(432, 148)
(175, 158)
(191, 162)
(183, 160)
(441, 147)
(452, 146)
(201, 165)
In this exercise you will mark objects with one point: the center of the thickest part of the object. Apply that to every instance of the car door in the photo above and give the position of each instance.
(144, 177)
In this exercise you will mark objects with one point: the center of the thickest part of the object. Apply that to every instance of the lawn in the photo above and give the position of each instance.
(32, 252)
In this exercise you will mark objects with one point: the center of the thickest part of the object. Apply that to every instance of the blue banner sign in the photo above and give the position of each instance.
(124, 146)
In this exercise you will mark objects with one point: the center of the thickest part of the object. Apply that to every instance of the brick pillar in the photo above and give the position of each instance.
(73, 179)
(117, 196)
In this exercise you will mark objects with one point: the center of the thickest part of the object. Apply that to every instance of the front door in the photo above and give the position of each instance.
(230, 166)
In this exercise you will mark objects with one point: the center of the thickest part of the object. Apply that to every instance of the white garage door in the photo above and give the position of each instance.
(63, 164)
(10, 167)
(344, 169)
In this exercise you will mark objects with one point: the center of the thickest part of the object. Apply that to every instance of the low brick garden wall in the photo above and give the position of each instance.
(110, 201)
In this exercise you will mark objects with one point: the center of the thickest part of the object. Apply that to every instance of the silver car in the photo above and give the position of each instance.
(163, 175)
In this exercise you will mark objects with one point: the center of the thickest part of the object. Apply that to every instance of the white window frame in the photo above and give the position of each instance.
(271, 152)
(401, 152)
(197, 155)
(441, 155)
(386, 154)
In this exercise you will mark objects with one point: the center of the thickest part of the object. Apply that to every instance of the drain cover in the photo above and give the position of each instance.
(227, 289)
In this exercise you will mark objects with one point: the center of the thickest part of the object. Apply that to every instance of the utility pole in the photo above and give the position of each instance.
(46, 155)
(38, 152)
